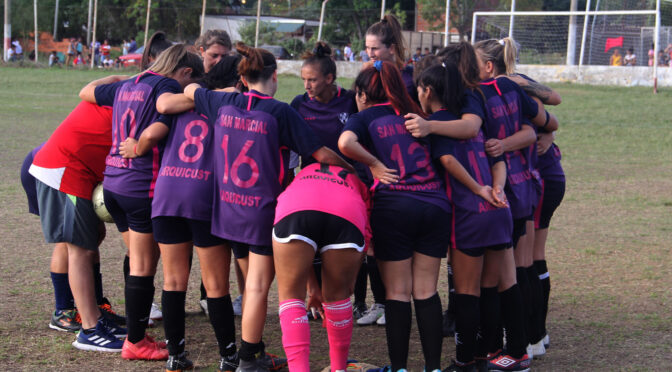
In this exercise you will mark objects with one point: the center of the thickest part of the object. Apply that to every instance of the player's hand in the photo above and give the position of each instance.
(494, 147)
(544, 142)
(486, 193)
(128, 147)
(314, 304)
(383, 173)
(499, 197)
(417, 126)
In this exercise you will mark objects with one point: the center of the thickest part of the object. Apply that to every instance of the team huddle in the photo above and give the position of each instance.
(453, 157)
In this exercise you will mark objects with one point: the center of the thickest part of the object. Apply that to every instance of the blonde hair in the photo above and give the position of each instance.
(175, 57)
(502, 53)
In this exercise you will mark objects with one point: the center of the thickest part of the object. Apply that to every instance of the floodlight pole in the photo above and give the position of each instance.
(655, 48)
(95, 19)
(511, 18)
(446, 41)
(319, 31)
(55, 20)
(8, 32)
(203, 17)
(256, 33)
(36, 33)
(579, 77)
(571, 36)
(149, 6)
(88, 24)
(382, 10)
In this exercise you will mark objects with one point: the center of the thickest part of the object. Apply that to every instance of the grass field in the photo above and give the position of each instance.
(609, 249)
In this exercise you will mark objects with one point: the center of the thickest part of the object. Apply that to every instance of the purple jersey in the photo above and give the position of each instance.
(549, 165)
(28, 181)
(185, 184)
(476, 223)
(382, 132)
(252, 135)
(133, 104)
(407, 77)
(507, 108)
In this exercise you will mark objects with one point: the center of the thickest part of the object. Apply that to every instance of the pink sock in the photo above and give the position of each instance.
(339, 331)
(295, 334)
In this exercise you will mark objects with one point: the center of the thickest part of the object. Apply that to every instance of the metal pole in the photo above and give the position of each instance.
(656, 36)
(382, 10)
(203, 17)
(447, 40)
(256, 33)
(513, 9)
(583, 40)
(149, 5)
(473, 28)
(56, 21)
(8, 31)
(95, 19)
(592, 30)
(571, 35)
(88, 24)
(37, 35)
(319, 31)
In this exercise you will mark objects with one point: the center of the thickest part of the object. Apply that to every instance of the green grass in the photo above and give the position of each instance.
(609, 249)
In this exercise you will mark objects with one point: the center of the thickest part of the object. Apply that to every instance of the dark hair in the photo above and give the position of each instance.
(257, 64)
(156, 44)
(224, 74)
(385, 85)
(211, 37)
(388, 30)
(423, 64)
(463, 56)
(445, 82)
(321, 56)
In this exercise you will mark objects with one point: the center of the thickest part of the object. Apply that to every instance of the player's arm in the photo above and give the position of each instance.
(328, 156)
(519, 140)
(465, 128)
(88, 92)
(173, 103)
(455, 168)
(498, 181)
(547, 95)
(131, 148)
(544, 142)
(544, 119)
(351, 148)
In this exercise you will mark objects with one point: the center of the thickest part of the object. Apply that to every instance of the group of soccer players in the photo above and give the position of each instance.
(453, 158)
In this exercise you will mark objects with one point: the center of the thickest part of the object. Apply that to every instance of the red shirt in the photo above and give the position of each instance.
(105, 49)
(73, 159)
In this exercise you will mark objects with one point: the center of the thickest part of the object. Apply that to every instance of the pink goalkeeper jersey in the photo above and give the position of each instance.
(326, 188)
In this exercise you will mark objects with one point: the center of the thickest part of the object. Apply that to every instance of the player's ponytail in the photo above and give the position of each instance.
(321, 56)
(156, 44)
(445, 82)
(463, 56)
(509, 54)
(502, 54)
(381, 81)
(176, 57)
(257, 64)
(388, 31)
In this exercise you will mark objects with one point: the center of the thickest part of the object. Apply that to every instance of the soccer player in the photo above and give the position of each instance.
(129, 183)
(252, 132)
(410, 209)
(322, 211)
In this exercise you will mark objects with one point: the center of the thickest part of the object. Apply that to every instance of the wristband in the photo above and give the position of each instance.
(135, 147)
(548, 118)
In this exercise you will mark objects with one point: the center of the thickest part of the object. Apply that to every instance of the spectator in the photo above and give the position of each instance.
(70, 54)
(79, 60)
(418, 55)
(124, 47)
(133, 46)
(616, 58)
(651, 54)
(95, 52)
(630, 58)
(18, 51)
(105, 49)
(53, 59)
(663, 59)
(79, 49)
(364, 56)
(426, 52)
(347, 52)
(11, 53)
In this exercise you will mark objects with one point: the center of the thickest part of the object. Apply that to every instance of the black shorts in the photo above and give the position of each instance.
(480, 251)
(323, 231)
(242, 250)
(128, 212)
(552, 193)
(518, 229)
(402, 225)
(175, 230)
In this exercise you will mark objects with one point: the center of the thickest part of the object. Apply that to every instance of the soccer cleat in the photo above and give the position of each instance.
(381, 320)
(508, 363)
(106, 310)
(179, 363)
(155, 313)
(161, 344)
(204, 305)
(65, 321)
(448, 324)
(228, 363)
(146, 349)
(386, 369)
(461, 367)
(547, 341)
(101, 339)
(272, 362)
(372, 315)
(238, 306)
(254, 365)
(113, 328)
(537, 350)
(481, 365)
(358, 310)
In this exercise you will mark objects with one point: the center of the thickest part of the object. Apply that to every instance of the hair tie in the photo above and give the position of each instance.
(443, 64)
(501, 42)
(378, 65)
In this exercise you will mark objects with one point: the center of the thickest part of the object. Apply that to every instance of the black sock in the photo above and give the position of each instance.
(537, 326)
(545, 279)
(377, 286)
(360, 284)
(398, 330)
(248, 351)
(204, 294)
(98, 283)
(62, 292)
(127, 268)
(514, 321)
(220, 311)
(490, 316)
(172, 305)
(451, 290)
(139, 295)
(526, 292)
(428, 315)
(466, 327)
